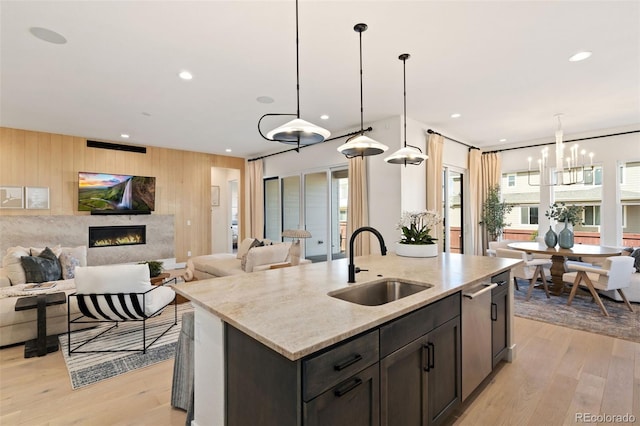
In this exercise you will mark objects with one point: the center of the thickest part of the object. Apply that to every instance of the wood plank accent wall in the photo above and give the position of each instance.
(183, 179)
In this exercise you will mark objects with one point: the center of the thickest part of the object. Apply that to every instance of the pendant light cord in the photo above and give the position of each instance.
(297, 67)
(361, 96)
(404, 80)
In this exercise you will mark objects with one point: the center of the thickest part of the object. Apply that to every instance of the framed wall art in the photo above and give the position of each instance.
(11, 197)
(37, 197)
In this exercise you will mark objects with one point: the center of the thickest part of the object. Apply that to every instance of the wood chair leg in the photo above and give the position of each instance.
(624, 299)
(544, 281)
(515, 283)
(532, 282)
(594, 293)
(574, 288)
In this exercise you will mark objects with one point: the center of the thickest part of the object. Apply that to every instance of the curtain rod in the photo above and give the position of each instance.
(572, 140)
(451, 139)
(368, 129)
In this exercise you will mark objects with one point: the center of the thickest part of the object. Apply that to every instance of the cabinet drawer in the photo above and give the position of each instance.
(501, 277)
(329, 368)
(402, 331)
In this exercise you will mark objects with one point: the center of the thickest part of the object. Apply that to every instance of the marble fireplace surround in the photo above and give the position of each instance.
(70, 231)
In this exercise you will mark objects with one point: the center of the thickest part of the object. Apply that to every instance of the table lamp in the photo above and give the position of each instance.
(296, 253)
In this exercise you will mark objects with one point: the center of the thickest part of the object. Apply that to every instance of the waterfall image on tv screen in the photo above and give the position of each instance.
(103, 192)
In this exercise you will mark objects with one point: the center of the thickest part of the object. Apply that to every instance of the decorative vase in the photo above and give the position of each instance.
(565, 237)
(550, 238)
(416, 250)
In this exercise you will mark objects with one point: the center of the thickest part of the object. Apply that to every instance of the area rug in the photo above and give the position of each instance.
(86, 369)
(581, 315)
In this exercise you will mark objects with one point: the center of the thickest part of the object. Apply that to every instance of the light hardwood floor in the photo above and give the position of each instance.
(558, 372)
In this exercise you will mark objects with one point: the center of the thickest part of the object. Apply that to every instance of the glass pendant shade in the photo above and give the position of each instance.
(299, 131)
(406, 155)
(361, 146)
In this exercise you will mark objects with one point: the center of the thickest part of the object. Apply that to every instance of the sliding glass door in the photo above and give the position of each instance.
(453, 210)
(314, 201)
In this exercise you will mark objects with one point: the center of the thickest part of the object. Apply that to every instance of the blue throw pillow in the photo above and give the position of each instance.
(45, 267)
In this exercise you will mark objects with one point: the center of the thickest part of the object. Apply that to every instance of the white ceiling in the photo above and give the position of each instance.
(502, 65)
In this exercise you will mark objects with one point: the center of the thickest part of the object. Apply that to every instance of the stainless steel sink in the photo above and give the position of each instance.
(378, 292)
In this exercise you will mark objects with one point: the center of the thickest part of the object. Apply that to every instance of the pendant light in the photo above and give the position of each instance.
(297, 131)
(409, 154)
(361, 145)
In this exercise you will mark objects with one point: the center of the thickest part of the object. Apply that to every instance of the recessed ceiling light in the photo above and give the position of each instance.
(124, 136)
(227, 150)
(185, 75)
(324, 117)
(456, 115)
(503, 140)
(47, 35)
(264, 99)
(580, 56)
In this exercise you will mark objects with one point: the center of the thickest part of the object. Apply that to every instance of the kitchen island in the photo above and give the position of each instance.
(289, 316)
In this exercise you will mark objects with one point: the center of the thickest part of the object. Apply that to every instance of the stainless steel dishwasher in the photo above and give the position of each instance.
(476, 336)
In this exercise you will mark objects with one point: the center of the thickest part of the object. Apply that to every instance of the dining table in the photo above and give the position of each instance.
(559, 256)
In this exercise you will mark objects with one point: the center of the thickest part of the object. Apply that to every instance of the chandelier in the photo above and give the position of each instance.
(569, 168)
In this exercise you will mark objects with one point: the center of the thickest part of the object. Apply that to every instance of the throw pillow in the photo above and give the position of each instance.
(636, 255)
(13, 265)
(68, 265)
(45, 267)
(79, 253)
(36, 251)
(245, 245)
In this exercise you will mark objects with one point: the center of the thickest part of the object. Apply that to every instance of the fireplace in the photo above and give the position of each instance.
(108, 236)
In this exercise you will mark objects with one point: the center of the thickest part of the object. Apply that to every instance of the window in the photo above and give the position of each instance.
(528, 215)
(591, 216)
(523, 219)
(593, 177)
(630, 200)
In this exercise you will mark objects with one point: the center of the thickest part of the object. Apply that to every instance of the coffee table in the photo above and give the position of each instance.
(42, 344)
(558, 256)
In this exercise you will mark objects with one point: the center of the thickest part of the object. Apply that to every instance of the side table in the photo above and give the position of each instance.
(42, 344)
(163, 278)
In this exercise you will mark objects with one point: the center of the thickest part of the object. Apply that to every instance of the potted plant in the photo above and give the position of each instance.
(155, 267)
(416, 239)
(566, 217)
(494, 212)
(560, 212)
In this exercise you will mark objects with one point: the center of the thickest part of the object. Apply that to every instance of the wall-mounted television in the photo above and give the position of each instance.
(105, 193)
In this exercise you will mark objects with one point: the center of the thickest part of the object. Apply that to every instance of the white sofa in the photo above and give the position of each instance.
(20, 326)
(253, 255)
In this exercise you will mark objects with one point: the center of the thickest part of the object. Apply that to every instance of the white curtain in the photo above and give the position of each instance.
(256, 199)
(435, 145)
(358, 205)
(475, 200)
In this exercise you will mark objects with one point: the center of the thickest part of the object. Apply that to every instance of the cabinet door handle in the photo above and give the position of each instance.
(432, 356)
(494, 312)
(344, 364)
(425, 356)
(348, 387)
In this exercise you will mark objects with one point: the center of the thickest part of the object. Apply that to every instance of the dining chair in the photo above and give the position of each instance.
(615, 274)
(532, 269)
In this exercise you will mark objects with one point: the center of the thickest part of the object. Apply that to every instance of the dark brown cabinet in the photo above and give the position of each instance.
(499, 315)
(354, 402)
(420, 383)
(406, 372)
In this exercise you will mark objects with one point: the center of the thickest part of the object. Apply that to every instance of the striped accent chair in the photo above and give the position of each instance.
(115, 294)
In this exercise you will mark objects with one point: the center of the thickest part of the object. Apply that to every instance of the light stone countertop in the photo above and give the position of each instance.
(289, 311)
